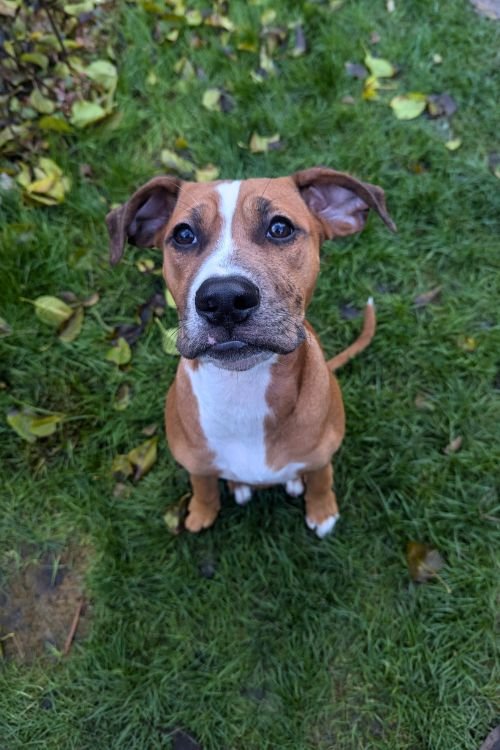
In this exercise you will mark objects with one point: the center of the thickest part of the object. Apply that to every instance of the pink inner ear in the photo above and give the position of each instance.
(340, 211)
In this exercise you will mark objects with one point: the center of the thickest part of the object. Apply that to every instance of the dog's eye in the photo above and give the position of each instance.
(184, 235)
(280, 229)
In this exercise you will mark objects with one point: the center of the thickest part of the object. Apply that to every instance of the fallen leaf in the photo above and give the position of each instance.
(54, 123)
(121, 467)
(467, 343)
(70, 330)
(391, 6)
(92, 300)
(427, 298)
(120, 354)
(122, 397)
(173, 518)
(168, 339)
(207, 174)
(453, 144)
(150, 430)
(370, 89)
(494, 163)
(30, 426)
(145, 265)
(492, 741)
(454, 445)
(299, 45)
(104, 73)
(52, 310)
(50, 185)
(121, 490)
(424, 562)
(41, 103)
(9, 8)
(408, 106)
(177, 163)
(169, 299)
(5, 328)
(84, 113)
(212, 100)
(355, 70)
(423, 402)
(77, 9)
(488, 8)
(441, 105)
(259, 144)
(437, 59)
(143, 457)
(379, 67)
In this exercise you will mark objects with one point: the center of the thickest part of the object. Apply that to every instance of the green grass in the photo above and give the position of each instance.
(294, 643)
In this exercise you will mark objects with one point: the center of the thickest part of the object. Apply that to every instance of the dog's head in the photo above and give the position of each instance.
(241, 258)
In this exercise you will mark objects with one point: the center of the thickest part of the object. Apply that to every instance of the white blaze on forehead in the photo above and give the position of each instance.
(219, 261)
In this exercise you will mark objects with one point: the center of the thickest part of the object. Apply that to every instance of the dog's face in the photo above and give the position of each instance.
(241, 258)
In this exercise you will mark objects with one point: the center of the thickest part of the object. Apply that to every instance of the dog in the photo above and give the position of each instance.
(253, 401)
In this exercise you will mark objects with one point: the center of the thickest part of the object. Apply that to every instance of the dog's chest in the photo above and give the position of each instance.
(232, 407)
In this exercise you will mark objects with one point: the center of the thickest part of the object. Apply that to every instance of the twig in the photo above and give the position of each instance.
(73, 628)
(55, 30)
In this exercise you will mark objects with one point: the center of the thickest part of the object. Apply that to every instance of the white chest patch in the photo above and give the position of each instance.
(232, 407)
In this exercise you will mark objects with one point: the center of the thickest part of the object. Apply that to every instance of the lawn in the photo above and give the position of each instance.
(255, 635)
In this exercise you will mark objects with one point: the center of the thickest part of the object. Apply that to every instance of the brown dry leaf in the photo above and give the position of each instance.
(454, 445)
(355, 70)
(492, 741)
(149, 430)
(488, 8)
(424, 562)
(441, 105)
(428, 298)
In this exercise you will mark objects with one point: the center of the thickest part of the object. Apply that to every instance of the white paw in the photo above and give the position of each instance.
(242, 494)
(294, 487)
(324, 528)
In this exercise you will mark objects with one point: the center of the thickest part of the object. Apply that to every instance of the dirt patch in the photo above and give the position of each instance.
(40, 601)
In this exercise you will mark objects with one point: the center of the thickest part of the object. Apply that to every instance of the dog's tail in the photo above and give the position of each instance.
(364, 338)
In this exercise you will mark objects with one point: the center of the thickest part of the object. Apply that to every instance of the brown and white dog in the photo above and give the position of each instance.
(253, 401)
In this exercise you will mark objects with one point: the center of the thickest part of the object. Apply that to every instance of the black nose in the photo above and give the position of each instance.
(227, 299)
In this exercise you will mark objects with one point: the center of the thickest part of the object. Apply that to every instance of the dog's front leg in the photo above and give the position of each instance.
(322, 510)
(204, 505)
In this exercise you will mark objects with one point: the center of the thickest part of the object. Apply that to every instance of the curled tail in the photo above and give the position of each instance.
(364, 338)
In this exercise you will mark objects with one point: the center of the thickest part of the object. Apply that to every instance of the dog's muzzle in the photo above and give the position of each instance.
(227, 300)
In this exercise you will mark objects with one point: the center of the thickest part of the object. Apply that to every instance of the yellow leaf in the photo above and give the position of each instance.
(121, 466)
(259, 144)
(176, 163)
(211, 100)
(41, 103)
(84, 114)
(408, 106)
(379, 67)
(207, 174)
(143, 457)
(30, 426)
(370, 88)
(453, 144)
(104, 73)
(120, 354)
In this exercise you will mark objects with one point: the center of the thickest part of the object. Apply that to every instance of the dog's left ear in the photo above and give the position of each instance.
(340, 202)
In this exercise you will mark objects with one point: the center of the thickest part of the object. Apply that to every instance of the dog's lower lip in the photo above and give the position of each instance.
(228, 346)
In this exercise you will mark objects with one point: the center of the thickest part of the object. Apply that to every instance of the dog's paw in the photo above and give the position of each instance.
(242, 494)
(323, 528)
(294, 487)
(200, 516)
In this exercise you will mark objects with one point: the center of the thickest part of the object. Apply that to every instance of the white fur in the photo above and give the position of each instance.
(233, 408)
(218, 262)
(243, 494)
(324, 528)
(294, 487)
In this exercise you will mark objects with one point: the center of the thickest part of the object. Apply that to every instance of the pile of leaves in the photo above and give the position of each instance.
(58, 75)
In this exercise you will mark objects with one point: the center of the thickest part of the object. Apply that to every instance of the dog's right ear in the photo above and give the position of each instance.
(142, 216)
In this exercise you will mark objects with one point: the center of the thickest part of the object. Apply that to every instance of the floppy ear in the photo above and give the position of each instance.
(140, 218)
(340, 202)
